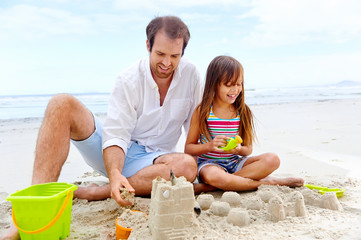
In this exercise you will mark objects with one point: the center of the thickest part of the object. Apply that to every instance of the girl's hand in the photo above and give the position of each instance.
(218, 141)
(236, 150)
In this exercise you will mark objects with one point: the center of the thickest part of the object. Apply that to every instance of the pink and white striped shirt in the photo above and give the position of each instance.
(219, 126)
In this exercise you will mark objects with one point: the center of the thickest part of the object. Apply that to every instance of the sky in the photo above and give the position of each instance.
(80, 46)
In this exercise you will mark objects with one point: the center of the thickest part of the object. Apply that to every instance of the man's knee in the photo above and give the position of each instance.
(181, 164)
(190, 171)
(61, 104)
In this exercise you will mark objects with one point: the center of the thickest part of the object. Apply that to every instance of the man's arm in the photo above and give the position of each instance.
(118, 125)
(114, 162)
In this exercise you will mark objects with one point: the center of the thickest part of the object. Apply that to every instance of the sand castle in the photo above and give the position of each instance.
(278, 202)
(171, 208)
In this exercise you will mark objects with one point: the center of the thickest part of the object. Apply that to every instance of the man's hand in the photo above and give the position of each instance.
(114, 161)
(117, 181)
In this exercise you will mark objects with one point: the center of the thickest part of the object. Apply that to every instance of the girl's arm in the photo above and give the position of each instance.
(192, 145)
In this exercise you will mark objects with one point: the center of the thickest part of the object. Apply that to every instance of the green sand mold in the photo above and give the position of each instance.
(339, 192)
(232, 143)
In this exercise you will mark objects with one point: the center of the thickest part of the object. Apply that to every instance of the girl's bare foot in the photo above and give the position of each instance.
(288, 181)
(202, 187)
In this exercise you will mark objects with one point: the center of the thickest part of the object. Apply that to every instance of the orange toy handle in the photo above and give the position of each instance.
(52, 222)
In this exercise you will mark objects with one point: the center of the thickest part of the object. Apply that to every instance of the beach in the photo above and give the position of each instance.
(316, 140)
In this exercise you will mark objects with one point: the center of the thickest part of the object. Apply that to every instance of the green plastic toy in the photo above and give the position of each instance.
(339, 192)
(232, 143)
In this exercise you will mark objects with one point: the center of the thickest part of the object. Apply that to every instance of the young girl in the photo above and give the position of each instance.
(222, 114)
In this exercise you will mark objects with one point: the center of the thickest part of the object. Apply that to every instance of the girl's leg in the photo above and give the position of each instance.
(260, 167)
(202, 187)
(216, 176)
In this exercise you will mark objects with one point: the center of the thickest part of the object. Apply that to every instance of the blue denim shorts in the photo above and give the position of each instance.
(136, 158)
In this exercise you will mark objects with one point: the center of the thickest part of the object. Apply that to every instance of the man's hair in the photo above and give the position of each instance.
(173, 27)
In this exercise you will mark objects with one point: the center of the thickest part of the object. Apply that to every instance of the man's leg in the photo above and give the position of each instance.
(180, 163)
(65, 118)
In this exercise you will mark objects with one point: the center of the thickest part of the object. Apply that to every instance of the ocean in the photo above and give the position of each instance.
(33, 106)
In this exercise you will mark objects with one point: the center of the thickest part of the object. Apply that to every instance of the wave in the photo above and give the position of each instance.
(33, 106)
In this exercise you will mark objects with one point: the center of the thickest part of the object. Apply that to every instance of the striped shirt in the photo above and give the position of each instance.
(219, 126)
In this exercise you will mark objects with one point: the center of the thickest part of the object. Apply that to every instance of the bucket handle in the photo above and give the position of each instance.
(51, 223)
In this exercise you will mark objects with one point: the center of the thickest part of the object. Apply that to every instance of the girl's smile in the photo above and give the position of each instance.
(232, 96)
(228, 93)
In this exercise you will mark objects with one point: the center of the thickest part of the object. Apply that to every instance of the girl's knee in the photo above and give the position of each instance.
(272, 160)
(210, 175)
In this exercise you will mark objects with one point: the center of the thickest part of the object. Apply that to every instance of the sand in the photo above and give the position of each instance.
(315, 140)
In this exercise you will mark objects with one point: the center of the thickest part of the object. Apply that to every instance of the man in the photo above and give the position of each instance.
(150, 103)
(147, 109)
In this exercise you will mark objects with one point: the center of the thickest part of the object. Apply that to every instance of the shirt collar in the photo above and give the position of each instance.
(148, 74)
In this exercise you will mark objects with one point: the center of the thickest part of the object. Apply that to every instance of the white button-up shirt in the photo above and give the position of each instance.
(135, 114)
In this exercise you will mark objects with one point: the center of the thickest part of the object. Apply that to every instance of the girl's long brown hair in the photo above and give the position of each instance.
(226, 70)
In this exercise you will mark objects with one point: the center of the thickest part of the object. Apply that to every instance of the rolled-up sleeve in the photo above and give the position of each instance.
(122, 116)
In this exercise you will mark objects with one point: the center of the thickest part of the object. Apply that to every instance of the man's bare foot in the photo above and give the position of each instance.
(288, 181)
(93, 192)
(202, 187)
(11, 234)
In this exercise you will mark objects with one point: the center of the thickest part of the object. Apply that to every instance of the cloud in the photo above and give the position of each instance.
(303, 71)
(160, 5)
(32, 22)
(295, 21)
